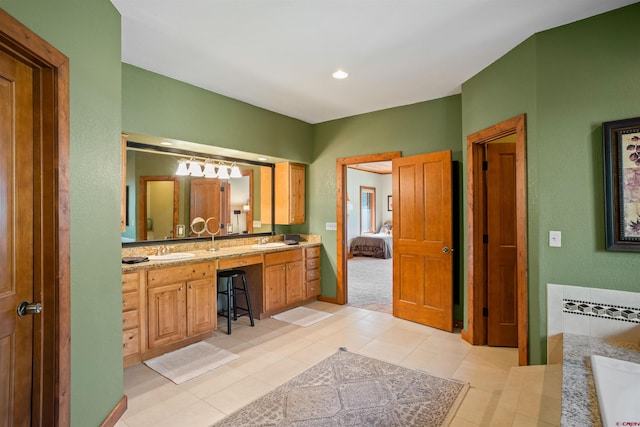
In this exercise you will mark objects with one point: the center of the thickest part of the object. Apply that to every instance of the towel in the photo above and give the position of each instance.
(134, 259)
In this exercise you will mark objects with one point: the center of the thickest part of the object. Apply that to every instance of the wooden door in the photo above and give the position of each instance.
(275, 291)
(422, 239)
(209, 198)
(166, 314)
(201, 306)
(502, 314)
(294, 282)
(16, 244)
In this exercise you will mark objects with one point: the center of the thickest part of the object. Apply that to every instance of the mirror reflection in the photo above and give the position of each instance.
(168, 188)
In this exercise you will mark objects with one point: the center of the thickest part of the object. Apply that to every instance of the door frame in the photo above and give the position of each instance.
(142, 215)
(476, 328)
(51, 363)
(341, 216)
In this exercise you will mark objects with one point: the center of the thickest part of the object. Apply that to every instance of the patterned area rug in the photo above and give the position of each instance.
(370, 282)
(348, 389)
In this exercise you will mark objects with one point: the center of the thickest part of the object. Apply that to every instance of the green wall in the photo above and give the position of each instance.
(568, 81)
(88, 32)
(156, 105)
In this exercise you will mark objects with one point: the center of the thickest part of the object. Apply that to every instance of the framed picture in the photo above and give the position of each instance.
(389, 203)
(622, 184)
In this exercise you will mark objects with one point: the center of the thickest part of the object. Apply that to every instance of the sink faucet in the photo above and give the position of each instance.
(162, 250)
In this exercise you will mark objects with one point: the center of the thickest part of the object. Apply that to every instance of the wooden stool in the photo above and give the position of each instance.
(231, 289)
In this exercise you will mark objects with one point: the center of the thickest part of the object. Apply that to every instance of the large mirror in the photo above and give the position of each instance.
(163, 202)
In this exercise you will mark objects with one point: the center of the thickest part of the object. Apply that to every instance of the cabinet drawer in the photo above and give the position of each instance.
(312, 275)
(313, 289)
(282, 257)
(129, 319)
(129, 301)
(131, 342)
(313, 252)
(312, 263)
(130, 282)
(183, 273)
(239, 262)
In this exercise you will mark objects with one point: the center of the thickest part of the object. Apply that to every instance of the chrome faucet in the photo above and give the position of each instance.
(163, 250)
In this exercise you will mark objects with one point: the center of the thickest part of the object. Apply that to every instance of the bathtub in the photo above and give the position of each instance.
(618, 389)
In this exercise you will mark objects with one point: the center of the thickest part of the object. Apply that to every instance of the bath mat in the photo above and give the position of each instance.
(189, 362)
(347, 389)
(302, 316)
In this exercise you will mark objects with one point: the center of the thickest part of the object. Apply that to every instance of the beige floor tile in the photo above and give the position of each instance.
(254, 360)
(313, 354)
(238, 395)
(346, 338)
(502, 417)
(199, 414)
(440, 364)
(155, 411)
(398, 336)
(281, 371)
(461, 422)
(521, 420)
(475, 406)
(384, 351)
(482, 376)
(214, 381)
(286, 344)
(368, 328)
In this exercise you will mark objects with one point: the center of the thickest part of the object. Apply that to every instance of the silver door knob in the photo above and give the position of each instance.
(445, 250)
(25, 307)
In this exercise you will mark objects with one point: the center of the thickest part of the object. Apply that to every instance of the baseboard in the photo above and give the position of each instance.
(328, 299)
(115, 413)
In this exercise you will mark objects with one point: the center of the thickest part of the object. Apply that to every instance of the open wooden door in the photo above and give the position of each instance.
(422, 239)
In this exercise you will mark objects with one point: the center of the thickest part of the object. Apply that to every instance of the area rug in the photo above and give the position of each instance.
(302, 316)
(348, 389)
(189, 362)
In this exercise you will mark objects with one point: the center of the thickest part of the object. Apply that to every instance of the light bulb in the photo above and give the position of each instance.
(195, 169)
(182, 168)
(223, 172)
(209, 171)
(235, 172)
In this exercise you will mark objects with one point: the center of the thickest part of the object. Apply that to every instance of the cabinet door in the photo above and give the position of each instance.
(295, 282)
(166, 308)
(274, 283)
(201, 306)
(297, 195)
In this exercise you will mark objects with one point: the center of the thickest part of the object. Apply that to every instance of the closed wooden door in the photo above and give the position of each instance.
(422, 239)
(201, 306)
(502, 313)
(294, 282)
(209, 198)
(16, 244)
(167, 322)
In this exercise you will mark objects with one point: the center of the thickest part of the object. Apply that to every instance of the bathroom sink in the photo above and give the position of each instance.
(269, 245)
(171, 257)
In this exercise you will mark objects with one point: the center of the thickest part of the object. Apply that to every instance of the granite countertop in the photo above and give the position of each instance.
(202, 254)
(579, 399)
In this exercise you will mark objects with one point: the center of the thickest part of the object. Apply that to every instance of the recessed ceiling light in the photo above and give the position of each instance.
(166, 143)
(340, 75)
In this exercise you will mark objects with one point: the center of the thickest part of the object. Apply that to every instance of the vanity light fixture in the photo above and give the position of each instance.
(340, 74)
(195, 169)
(182, 168)
(209, 170)
(235, 172)
(223, 172)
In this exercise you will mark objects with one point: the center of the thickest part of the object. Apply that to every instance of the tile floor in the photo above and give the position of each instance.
(273, 352)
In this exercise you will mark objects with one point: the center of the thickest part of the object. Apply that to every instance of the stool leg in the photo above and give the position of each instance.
(246, 295)
(229, 303)
(235, 301)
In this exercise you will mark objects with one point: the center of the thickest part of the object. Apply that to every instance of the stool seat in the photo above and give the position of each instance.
(229, 287)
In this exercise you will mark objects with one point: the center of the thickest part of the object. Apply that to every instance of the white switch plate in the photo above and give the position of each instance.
(555, 239)
(331, 226)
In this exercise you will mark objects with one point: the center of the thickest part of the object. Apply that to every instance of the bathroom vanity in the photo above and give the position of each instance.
(171, 303)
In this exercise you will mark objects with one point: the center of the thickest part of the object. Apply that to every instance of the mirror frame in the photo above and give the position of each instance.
(188, 153)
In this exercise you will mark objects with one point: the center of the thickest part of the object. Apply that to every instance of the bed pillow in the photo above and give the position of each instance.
(386, 228)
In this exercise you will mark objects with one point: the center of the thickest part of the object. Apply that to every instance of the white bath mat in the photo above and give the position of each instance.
(189, 362)
(302, 316)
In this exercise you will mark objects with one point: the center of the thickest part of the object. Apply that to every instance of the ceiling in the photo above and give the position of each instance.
(280, 54)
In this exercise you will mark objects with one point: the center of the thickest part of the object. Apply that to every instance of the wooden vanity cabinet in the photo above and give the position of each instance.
(283, 279)
(181, 302)
(290, 193)
(312, 272)
(132, 316)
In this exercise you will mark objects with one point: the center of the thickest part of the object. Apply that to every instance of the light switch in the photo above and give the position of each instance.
(555, 239)
(331, 226)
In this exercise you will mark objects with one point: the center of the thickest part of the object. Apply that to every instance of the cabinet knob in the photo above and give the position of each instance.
(190, 286)
(180, 289)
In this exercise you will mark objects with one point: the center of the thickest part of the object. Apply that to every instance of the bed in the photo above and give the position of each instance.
(378, 245)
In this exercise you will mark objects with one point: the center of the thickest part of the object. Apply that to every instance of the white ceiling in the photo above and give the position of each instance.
(279, 54)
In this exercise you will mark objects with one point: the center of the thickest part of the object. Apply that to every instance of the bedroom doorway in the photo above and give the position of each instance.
(363, 277)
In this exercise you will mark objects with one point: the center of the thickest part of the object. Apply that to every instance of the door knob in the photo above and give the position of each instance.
(445, 250)
(25, 307)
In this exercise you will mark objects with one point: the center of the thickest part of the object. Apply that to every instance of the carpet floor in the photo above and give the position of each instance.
(370, 283)
(347, 389)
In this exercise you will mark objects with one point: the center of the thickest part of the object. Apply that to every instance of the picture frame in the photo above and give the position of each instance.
(621, 139)
(389, 203)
